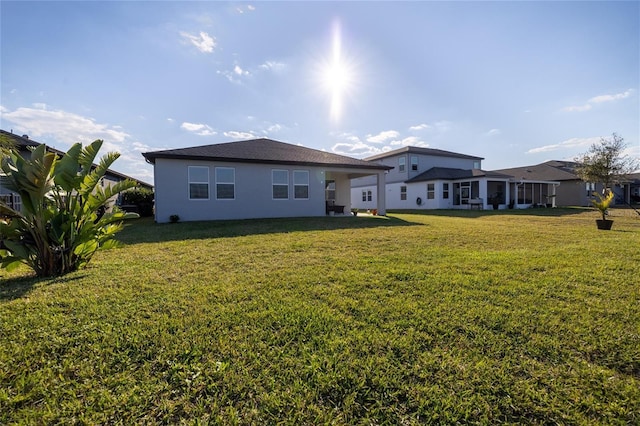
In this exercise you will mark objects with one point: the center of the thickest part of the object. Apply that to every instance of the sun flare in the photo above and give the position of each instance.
(337, 76)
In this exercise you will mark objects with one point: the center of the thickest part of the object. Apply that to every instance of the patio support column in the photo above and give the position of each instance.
(507, 193)
(382, 192)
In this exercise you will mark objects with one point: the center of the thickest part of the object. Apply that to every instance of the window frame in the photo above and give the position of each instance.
(431, 191)
(403, 193)
(273, 184)
(221, 182)
(402, 162)
(445, 190)
(414, 164)
(191, 181)
(295, 185)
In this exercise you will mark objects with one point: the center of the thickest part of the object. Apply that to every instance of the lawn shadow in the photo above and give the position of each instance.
(16, 288)
(549, 212)
(147, 231)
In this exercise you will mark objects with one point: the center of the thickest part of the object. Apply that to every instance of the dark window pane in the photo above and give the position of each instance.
(281, 192)
(301, 191)
(225, 191)
(198, 191)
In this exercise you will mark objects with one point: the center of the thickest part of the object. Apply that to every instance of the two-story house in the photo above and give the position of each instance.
(426, 178)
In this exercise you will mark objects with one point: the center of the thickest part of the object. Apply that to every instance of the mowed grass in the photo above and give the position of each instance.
(445, 317)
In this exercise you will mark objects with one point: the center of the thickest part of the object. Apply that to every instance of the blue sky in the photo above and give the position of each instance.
(517, 83)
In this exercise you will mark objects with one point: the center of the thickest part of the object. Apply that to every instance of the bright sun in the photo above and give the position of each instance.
(337, 76)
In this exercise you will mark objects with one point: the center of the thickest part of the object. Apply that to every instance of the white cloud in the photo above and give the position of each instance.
(242, 9)
(65, 128)
(577, 108)
(409, 141)
(3, 109)
(198, 129)
(170, 120)
(610, 98)
(418, 127)
(273, 66)
(40, 105)
(239, 135)
(240, 71)
(598, 100)
(494, 132)
(569, 143)
(203, 41)
(352, 145)
(383, 136)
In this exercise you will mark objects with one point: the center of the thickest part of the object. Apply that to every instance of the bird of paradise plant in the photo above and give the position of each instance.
(58, 229)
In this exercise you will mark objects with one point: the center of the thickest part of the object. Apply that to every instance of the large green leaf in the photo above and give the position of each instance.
(66, 171)
(88, 155)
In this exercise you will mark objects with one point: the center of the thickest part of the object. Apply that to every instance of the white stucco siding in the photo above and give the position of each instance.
(357, 198)
(253, 192)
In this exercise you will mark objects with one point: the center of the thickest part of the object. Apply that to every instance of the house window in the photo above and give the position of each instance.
(431, 191)
(401, 163)
(445, 191)
(591, 187)
(301, 184)
(280, 184)
(368, 195)
(364, 195)
(403, 192)
(476, 165)
(198, 183)
(225, 183)
(414, 164)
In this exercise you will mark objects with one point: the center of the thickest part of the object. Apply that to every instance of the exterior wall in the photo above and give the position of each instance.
(414, 191)
(574, 193)
(253, 192)
(425, 162)
(356, 198)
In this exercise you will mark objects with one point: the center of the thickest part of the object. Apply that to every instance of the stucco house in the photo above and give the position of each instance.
(426, 178)
(24, 144)
(257, 178)
(573, 191)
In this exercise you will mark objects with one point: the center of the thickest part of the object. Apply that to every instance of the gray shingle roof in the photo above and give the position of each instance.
(550, 170)
(436, 173)
(423, 151)
(263, 151)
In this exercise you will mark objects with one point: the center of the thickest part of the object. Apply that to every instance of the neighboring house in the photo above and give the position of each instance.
(426, 178)
(23, 145)
(258, 178)
(573, 191)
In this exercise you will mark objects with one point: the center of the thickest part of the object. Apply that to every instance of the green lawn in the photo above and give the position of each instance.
(528, 316)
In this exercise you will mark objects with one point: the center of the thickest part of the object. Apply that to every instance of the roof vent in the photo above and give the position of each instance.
(25, 136)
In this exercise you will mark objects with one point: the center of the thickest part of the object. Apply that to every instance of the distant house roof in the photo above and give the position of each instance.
(550, 170)
(263, 151)
(446, 173)
(24, 142)
(423, 151)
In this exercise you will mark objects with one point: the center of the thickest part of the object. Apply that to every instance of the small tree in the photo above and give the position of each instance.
(58, 230)
(606, 163)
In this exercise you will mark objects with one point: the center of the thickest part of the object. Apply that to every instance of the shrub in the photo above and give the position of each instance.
(142, 198)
